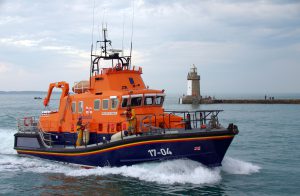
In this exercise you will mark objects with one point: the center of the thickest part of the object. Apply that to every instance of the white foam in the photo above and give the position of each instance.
(28, 164)
(167, 172)
(9, 161)
(7, 141)
(235, 166)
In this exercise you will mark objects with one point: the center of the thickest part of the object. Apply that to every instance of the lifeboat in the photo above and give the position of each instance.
(113, 119)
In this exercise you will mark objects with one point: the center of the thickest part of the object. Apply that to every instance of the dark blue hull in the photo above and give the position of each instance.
(208, 149)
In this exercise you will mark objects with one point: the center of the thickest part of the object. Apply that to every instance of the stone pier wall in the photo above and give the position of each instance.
(195, 100)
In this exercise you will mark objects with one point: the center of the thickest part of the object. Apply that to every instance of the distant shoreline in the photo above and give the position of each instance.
(7, 92)
(219, 96)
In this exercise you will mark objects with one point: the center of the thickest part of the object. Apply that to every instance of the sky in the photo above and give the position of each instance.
(244, 46)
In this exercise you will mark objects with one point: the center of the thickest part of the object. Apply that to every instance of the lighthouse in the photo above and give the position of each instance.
(193, 83)
(193, 95)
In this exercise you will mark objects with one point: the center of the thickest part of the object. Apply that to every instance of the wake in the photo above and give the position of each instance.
(235, 166)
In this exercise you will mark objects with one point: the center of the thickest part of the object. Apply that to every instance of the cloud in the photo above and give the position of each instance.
(20, 42)
(247, 39)
(4, 67)
(4, 20)
(67, 50)
(41, 45)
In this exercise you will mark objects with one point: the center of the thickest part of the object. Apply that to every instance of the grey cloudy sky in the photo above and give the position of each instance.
(238, 46)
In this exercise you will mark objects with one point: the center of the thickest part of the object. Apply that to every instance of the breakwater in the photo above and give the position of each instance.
(196, 100)
(250, 101)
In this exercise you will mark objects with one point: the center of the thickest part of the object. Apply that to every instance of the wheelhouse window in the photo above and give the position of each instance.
(114, 103)
(97, 104)
(105, 104)
(136, 101)
(74, 107)
(159, 100)
(124, 102)
(149, 100)
(80, 106)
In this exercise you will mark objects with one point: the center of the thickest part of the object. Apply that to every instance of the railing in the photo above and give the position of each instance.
(115, 70)
(198, 117)
(80, 87)
(30, 125)
(148, 124)
(190, 119)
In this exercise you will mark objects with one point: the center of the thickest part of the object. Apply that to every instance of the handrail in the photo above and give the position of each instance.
(156, 124)
(197, 117)
(30, 124)
(27, 124)
(42, 133)
(182, 111)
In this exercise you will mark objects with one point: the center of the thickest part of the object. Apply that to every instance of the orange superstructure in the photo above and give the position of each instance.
(103, 99)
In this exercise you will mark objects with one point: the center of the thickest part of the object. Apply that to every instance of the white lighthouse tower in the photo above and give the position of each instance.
(193, 95)
(193, 83)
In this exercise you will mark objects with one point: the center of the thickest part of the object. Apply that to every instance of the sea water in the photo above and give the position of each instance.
(263, 159)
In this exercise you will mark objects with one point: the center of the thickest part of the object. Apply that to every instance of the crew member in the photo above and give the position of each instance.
(188, 122)
(131, 118)
(201, 118)
(80, 128)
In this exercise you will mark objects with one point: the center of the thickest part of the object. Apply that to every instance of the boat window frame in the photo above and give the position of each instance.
(145, 98)
(99, 107)
(161, 101)
(136, 96)
(80, 109)
(127, 103)
(104, 100)
(149, 95)
(74, 108)
(111, 103)
(123, 98)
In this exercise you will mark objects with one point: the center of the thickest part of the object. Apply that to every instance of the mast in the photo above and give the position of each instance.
(105, 41)
(106, 54)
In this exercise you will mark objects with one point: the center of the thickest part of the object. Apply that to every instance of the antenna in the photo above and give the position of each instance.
(102, 26)
(123, 34)
(105, 40)
(93, 22)
(91, 67)
(131, 31)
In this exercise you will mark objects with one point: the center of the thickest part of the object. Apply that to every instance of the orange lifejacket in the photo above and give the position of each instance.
(128, 114)
(80, 127)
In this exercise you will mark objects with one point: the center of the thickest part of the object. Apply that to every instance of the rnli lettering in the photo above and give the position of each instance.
(109, 113)
(162, 151)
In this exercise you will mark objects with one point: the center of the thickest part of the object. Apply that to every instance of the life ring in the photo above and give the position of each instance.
(27, 121)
